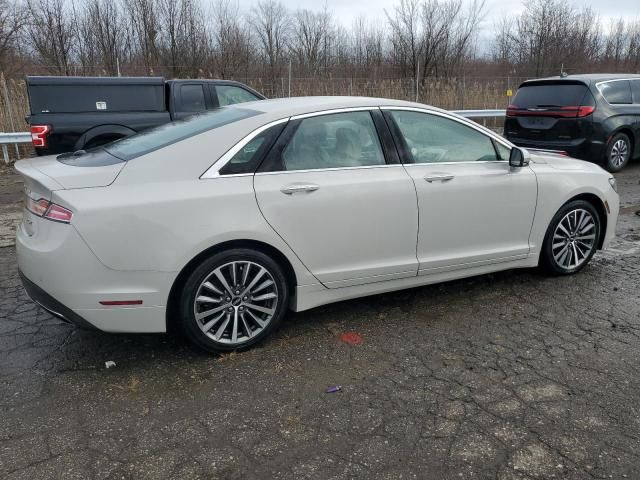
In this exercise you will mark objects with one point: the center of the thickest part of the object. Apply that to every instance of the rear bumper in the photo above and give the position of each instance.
(53, 306)
(581, 148)
(62, 274)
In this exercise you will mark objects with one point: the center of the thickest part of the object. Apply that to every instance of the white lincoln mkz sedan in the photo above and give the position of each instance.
(220, 223)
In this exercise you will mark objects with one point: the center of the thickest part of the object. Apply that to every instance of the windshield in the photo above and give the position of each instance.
(155, 138)
(550, 95)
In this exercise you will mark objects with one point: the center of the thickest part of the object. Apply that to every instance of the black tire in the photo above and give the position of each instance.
(618, 153)
(553, 248)
(241, 314)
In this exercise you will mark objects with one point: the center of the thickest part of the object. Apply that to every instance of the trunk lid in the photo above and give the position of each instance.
(43, 175)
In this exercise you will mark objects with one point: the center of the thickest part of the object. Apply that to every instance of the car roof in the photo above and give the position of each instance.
(586, 78)
(278, 108)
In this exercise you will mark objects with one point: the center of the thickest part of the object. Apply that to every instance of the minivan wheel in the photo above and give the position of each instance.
(233, 300)
(571, 239)
(618, 152)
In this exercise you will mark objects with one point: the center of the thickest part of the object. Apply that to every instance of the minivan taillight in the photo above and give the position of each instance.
(49, 210)
(39, 135)
(561, 112)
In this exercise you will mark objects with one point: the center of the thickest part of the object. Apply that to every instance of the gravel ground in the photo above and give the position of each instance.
(509, 376)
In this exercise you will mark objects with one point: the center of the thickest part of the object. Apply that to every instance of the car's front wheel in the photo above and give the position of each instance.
(618, 152)
(571, 239)
(233, 300)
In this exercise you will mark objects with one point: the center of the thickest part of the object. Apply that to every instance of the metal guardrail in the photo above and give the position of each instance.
(481, 113)
(13, 138)
(25, 137)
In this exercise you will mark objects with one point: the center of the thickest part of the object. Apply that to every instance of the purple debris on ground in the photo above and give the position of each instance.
(334, 389)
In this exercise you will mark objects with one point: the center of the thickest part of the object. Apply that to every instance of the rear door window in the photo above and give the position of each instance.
(192, 98)
(550, 95)
(616, 92)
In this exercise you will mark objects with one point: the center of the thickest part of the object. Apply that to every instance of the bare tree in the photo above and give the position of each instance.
(405, 35)
(12, 20)
(102, 35)
(144, 31)
(231, 41)
(51, 31)
(311, 38)
(271, 23)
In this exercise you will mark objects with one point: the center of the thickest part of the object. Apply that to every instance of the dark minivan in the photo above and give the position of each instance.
(591, 117)
(77, 113)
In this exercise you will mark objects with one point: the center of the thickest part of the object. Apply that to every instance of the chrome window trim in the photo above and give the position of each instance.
(460, 120)
(330, 169)
(333, 111)
(214, 170)
(613, 81)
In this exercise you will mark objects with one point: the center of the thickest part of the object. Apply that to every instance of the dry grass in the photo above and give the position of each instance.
(449, 94)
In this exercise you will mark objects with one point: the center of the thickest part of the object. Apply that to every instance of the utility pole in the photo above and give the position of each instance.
(289, 77)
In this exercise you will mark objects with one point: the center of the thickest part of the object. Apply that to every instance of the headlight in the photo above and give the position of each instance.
(614, 185)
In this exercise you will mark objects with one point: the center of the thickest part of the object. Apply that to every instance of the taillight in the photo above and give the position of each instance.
(46, 209)
(39, 135)
(585, 111)
(562, 112)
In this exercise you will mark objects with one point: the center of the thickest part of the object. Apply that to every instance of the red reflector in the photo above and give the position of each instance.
(39, 135)
(113, 303)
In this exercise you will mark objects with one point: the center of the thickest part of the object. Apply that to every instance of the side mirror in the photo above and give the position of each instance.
(518, 157)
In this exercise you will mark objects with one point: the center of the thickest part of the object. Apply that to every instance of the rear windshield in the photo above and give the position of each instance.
(164, 135)
(550, 95)
(96, 98)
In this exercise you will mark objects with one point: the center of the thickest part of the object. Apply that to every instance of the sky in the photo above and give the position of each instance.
(346, 11)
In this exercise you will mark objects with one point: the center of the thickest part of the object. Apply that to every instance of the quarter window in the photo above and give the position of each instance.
(333, 141)
(618, 92)
(228, 95)
(248, 157)
(435, 139)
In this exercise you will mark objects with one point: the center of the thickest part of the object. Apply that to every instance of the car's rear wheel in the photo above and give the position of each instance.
(618, 152)
(571, 239)
(233, 300)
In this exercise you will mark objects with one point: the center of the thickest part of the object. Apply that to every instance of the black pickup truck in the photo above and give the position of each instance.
(77, 113)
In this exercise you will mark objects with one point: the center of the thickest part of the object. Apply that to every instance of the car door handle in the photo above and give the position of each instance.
(438, 178)
(299, 188)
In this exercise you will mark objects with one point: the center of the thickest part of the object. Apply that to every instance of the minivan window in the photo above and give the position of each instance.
(550, 95)
(155, 138)
(635, 89)
(617, 92)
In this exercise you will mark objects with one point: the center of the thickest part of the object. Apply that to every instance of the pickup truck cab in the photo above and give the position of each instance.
(77, 113)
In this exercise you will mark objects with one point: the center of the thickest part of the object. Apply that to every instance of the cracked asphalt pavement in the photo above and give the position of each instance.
(510, 376)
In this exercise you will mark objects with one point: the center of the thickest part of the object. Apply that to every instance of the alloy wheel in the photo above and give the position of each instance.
(235, 302)
(574, 239)
(619, 153)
